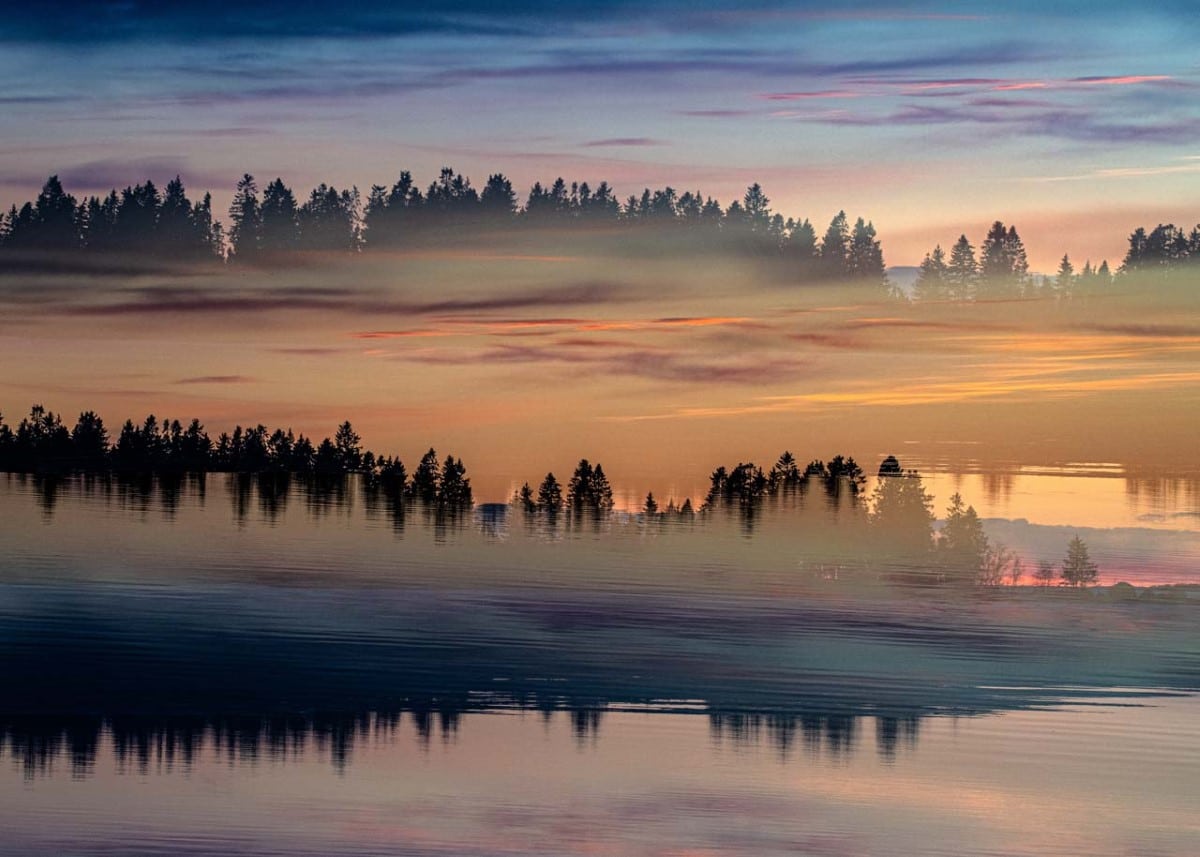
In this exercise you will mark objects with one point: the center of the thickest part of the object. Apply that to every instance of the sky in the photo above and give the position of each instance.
(660, 369)
(1076, 122)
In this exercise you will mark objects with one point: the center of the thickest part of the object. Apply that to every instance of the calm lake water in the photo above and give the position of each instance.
(239, 667)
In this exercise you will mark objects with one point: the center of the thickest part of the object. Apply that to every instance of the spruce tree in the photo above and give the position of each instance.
(1077, 567)
(932, 277)
(245, 221)
(962, 274)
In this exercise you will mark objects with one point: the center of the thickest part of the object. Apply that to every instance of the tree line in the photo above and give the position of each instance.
(1000, 270)
(263, 226)
(42, 443)
(896, 521)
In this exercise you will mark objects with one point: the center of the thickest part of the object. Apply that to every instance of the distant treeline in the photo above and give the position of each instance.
(1001, 269)
(143, 220)
(896, 522)
(264, 227)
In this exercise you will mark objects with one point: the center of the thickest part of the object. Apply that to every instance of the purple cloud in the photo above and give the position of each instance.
(623, 141)
(646, 363)
(218, 379)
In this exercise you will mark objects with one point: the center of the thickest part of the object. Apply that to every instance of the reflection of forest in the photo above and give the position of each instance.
(841, 529)
(749, 609)
(1164, 494)
(140, 745)
(997, 487)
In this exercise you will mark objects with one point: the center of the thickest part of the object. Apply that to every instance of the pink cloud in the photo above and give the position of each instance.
(1019, 85)
(1122, 80)
(805, 96)
(951, 83)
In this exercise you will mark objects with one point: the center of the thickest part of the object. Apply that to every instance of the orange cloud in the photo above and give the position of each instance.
(401, 334)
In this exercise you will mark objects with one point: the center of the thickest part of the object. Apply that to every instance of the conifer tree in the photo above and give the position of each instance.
(426, 479)
(550, 496)
(933, 277)
(865, 256)
(962, 274)
(245, 221)
(835, 247)
(1077, 567)
(1065, 279)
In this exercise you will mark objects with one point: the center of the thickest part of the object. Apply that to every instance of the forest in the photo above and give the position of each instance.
(268, 226)
(893, 527)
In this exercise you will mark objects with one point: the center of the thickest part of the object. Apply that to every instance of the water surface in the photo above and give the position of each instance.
(219, 666)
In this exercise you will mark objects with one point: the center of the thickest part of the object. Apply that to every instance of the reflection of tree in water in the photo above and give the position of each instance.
(1163, 493)
(240, 486)
(141, 745)
(135, 492)
(144, 745)
(585, 724)
(47, 493)
(272, 489)
(443, 714)
(325, 494)
(385, 499)
(832, 735)
(997, 487)
(890, 732)
(821, 495)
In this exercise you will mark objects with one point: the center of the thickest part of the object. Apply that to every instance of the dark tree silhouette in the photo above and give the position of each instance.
(426, 479)
(864, 259)
(550, 496)
(49, 224)
(588, 492)
(392, 214)
(1161, 251)
(454, 491)
(89, 441)
(785, 475)
(962, 545)
(1077, 567)
(962, 274)
(451, 200)
(835, 248)
(132, 229)
(498, 202)
(1003, 269)
(328, 221)
(279, 231)
(743, 488)
(349, 449)
(245, 221)
(800, 249)
(524, 499)
(140, 220)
